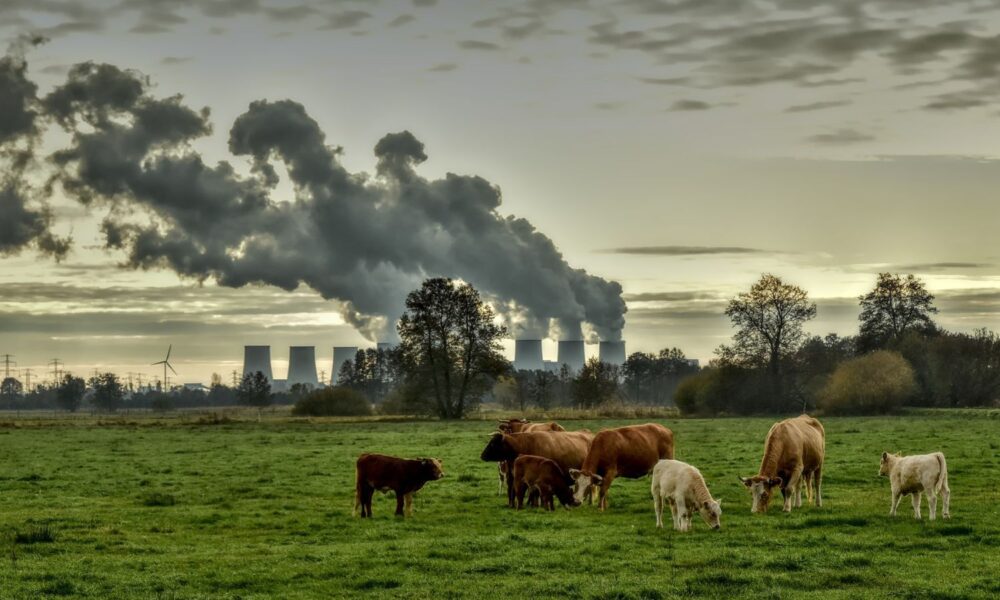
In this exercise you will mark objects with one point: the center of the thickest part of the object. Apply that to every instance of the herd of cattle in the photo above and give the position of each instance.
(543, 461)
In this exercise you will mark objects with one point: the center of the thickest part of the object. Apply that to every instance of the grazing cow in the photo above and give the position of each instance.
(542, 476)
(630, 451)
(566, 448)
(683, 487)
(401, 475)
(923, 473)
(523, 425)
(793, 454)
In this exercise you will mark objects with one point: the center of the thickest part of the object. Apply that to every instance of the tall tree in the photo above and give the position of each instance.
(10, 391)
(895, 307)
(108, 392)
(769, 321)
(596, 383)
(254, 390)
(450, 346)
(69, 393)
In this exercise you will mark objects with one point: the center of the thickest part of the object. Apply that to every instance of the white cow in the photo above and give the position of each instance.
(923, 473)
(684, 488)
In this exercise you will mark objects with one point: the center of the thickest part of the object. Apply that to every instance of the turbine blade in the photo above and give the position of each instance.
(169, 348)
(171, 368)
(158, 363)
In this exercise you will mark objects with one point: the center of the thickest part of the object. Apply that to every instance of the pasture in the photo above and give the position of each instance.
(179, 510)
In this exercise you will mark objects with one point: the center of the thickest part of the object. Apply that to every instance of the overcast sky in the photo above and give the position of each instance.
(677, 147)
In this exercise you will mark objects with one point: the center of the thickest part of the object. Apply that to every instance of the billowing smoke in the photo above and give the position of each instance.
(365, 240)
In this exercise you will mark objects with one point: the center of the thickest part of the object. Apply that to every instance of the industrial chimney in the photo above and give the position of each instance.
(302, 366)
(257, 358)
(612, 353)
(571, 354)
(341, 354)
(528, 355)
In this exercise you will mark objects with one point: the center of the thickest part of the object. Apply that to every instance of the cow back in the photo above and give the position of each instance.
(630, 451)
(567, 448)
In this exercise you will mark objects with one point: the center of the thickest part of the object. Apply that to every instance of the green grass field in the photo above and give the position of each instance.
(263, 510)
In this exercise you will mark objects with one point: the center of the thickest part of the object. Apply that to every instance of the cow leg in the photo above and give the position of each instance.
(366, 501)
(931, 504)
(680, 509)
(945, 502)
(408, 501)
(500, 480)
(399, 503)
(916, 504)
(519, 491)
(658, 508)
(896, 498)
(602, 497)
(510, 483)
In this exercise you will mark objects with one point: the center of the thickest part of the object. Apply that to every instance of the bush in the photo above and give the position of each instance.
(332, 402)
(877, 383)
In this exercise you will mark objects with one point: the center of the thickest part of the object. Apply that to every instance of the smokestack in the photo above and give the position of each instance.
(257, 358)
(341, 354)
(302, 366)
(612, 353)
(528, 355)
(571, 354)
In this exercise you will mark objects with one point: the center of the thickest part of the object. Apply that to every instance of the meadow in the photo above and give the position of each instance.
(179, 509)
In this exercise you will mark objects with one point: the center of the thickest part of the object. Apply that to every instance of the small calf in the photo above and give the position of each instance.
(916, 475)
(683, 487)
(544, 477)
(384, 473)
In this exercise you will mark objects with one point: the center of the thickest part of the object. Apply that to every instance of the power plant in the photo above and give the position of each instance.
(257, 358)
(571, 354)
(612, 353)
(302, 366)
(341, 354)
(528, 355)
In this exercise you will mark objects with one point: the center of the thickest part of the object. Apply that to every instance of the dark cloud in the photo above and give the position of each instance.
(443, 68)
(477, 45)
(684, 105)
(175, 60)
(364, 240)
(841, 137)
(682, 250)
(665, 80)
(940, 266)
(797, 108)
(347, 19)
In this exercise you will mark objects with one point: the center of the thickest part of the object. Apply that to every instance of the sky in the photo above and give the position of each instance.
(572, 159)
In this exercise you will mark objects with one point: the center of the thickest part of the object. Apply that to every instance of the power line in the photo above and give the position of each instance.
(27, 379)
(55, 363)
(6, 364)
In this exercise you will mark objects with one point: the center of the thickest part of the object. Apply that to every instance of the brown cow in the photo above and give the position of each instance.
(401, 475)
(523, 425)
(566, 448)
(793, 453)
(630, 451)
(543, 477)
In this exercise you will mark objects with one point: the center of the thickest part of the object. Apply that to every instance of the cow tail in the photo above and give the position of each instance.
(942, 481)
(357, 490)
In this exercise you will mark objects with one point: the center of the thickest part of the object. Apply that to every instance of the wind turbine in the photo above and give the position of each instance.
(166, 365)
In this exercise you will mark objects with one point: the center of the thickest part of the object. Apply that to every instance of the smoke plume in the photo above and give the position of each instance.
(363, 239)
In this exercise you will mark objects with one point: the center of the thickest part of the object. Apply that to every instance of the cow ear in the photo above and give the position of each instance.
(704, 505)
(885, 455)
(745, 480)
(775, 481)
(574, 473)
(596, 479)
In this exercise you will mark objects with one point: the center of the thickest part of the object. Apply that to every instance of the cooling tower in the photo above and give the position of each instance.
(528, 355)
(571, 354)
(612, 353)
(302, 366)
(341, 354)
(257, 358)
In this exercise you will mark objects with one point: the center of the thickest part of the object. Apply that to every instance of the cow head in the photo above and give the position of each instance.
(885, 466)
(761, 489)
(711, 511)
(497, 449)
(431, 469)
(583, 484)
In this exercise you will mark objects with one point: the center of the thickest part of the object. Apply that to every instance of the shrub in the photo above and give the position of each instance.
(877, 383)
(332, 402)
